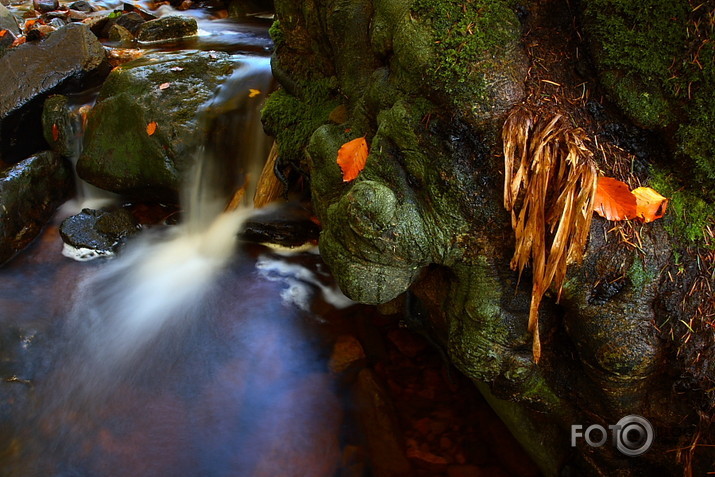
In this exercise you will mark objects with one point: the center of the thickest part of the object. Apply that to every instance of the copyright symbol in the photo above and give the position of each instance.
(633, 435)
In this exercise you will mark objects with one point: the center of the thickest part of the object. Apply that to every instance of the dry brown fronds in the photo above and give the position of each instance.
(549, 188)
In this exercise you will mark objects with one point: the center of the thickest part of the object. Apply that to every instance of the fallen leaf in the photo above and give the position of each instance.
(163, 86)
(3, 33)
(253, 92)
(614, 200)
(176, 68)
(55, 132)
(151, 128)
(352, 157)
(83, 112)
(19, 41)
(650, 205)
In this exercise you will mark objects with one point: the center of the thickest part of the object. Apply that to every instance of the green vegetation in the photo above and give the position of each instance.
(276, 33)
(657, 61)
(688, 212)
(293, 120)
(470, 39)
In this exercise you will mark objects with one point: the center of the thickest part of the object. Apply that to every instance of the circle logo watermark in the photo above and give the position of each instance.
(632, 435)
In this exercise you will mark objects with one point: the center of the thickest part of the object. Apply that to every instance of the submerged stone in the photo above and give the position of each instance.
(70, 59)
(30, 191)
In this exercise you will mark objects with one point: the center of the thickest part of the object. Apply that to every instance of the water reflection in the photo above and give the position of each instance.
(239, 387)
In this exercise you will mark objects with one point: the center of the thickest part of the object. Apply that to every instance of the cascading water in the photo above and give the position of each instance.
(165, 341)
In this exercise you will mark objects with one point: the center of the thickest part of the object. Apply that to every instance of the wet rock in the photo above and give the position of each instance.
(30, 191)
(288, 226)
(45, 6)
(69, 59)
(170, 27)
(120, 34)
(347, 352)
(98, 232)
(8, 21)
(382, 431)
(131, 21)
(118, 153)
(82, 6)
(58, 126)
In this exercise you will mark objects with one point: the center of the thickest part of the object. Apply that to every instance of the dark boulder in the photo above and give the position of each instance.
(94, 233)
(70, 59)
(30, 191)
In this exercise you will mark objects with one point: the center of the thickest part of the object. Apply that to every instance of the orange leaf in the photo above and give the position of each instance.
(2, 33)
(253, 92)
(55, 132)
(614, 200)
(650, 204)
(151, 128)
(352, 157)
(163, 86)
(18, 41)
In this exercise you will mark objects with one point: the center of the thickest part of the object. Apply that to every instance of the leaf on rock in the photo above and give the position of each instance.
(3, 33)
(650, 205)
(163, 86)
(252, 93)
(352, 157)
(614, 200)
(151, 128)
(55, 132)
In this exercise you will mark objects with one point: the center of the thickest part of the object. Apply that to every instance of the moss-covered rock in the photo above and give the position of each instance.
(122, 153)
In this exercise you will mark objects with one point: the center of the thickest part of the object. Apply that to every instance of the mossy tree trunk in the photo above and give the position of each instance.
(429, 83)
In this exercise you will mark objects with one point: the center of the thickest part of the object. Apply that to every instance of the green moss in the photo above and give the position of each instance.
(646, 104)
(689, 212)
(641, 41)
(292, 120)
(470, 38)
(657, 61)
(639, 275)
(276, 33)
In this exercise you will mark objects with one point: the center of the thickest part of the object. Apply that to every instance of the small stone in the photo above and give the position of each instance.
(347, 351)
(45, 6)
(97, 232)
(81, 6)
(465, 471)
(427, 459)
(170, 27)
(119, 34)
(408, 343)
(131, 21)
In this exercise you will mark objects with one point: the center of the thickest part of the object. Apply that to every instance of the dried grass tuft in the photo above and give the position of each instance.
(549, 188)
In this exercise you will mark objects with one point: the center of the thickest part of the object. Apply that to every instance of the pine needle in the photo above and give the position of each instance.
(549, 188)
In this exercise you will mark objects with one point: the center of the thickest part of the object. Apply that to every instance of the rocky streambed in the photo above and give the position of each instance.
(271, 374)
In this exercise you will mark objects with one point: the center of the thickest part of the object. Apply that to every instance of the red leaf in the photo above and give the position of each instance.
(352, 157)
(55, 132)
(614, 200)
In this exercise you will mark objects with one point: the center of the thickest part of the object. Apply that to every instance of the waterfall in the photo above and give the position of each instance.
(161, 280)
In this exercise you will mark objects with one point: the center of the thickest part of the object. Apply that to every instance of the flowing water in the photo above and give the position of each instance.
(175, 358)
(192, 354)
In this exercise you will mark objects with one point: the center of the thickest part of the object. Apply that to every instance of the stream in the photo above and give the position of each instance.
(193, 353)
